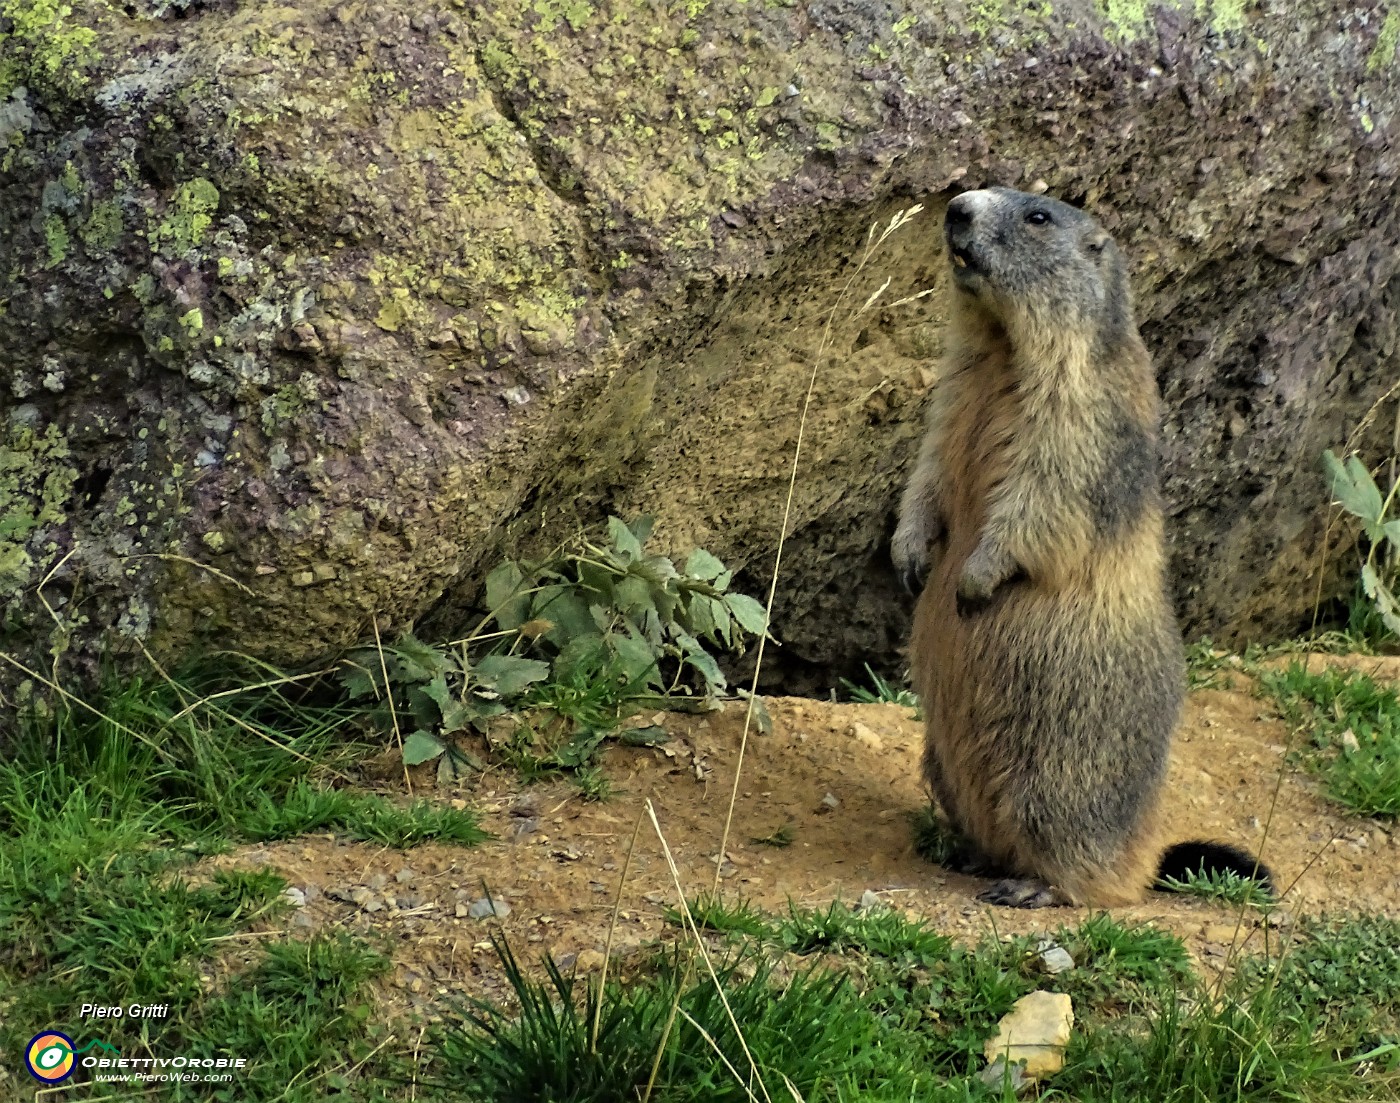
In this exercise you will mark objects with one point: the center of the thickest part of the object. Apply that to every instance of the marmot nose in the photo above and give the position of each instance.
(959, 212)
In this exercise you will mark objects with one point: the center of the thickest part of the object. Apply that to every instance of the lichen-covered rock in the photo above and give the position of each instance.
(310, 311)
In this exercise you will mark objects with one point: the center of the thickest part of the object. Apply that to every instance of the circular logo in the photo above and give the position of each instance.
(50, 1056)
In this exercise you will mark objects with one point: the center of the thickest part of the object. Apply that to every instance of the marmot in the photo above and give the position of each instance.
(1045, 648)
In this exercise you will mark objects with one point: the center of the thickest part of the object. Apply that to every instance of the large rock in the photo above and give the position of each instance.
(311, 312)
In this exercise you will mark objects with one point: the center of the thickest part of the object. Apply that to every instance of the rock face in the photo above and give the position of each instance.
(310, 312)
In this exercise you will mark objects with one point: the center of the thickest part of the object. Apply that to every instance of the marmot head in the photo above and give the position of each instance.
(1033, 260)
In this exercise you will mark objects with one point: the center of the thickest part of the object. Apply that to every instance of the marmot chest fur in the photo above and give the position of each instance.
(1045, 648)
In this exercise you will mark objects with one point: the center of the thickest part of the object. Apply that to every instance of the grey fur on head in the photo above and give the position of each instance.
(1074, 273)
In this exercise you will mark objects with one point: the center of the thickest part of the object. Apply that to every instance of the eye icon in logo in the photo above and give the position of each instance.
(50, 1056)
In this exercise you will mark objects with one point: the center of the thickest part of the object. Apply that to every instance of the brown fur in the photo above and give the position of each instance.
(1050, 701)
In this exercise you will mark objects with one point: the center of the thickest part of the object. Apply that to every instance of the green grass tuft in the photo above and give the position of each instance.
(1354, 730)
(811, 1028)
(934, 841)
(1224, 885)
(880, 692)
(878, 931)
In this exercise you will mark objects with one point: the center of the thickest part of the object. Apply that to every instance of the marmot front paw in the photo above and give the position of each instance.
(911, 551)
(986, 569)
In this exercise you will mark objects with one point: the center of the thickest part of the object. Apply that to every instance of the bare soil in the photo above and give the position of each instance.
(844, 779)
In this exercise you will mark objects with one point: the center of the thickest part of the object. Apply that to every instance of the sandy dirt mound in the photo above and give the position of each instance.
(557, 859)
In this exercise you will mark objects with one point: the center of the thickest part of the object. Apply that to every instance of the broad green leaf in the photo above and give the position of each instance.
(633, 595)
(761, 715)
(358, 679)
(652, 629)
(509, 675)
(700, 616)
(701, 564)
(642, 526)
(624, 540)
(481, 712)
(427, 713)
(748, 612)
(1353, 488)
(580, 657)
(1373, 501)
(457, 763)
(1392, 532)
(421, 747)
(580, 749)
(419, 661)
(701, 660)
(597, 582)
(603, 617)
(653, 735)
(722, 582)
(637, 659)
(504, 597)
(1384, 599)
(657, 569)
(452, 714)
(568, 612)
(723, 624)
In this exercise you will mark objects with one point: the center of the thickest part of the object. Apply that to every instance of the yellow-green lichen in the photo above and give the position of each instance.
(43, 47)
(1129, 19)
(188, 217)
(103, 228)
(36, 479)
(56, 240)
(1386, 42)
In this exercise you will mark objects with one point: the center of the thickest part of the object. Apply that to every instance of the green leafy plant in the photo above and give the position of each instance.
(658, 622)
(568, 647)
(1356, 491)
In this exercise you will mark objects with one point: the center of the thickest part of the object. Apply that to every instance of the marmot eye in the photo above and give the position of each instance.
(1039, 218)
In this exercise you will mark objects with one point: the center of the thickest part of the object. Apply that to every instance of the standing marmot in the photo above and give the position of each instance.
(1045, 649)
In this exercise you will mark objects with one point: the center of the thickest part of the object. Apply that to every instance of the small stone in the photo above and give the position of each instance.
(1051, 958)
(295, 897)
(1221, 932)
(588, 960)
(1349, 741)
(867, 737)
(303, 578)
(378, 881)
(1034, 1034)
(997, 1073)
(404, 876)
(869, 901)
(488, 906)
(829, 803)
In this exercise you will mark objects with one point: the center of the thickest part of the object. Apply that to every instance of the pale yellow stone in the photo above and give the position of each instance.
(1035, 1032)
